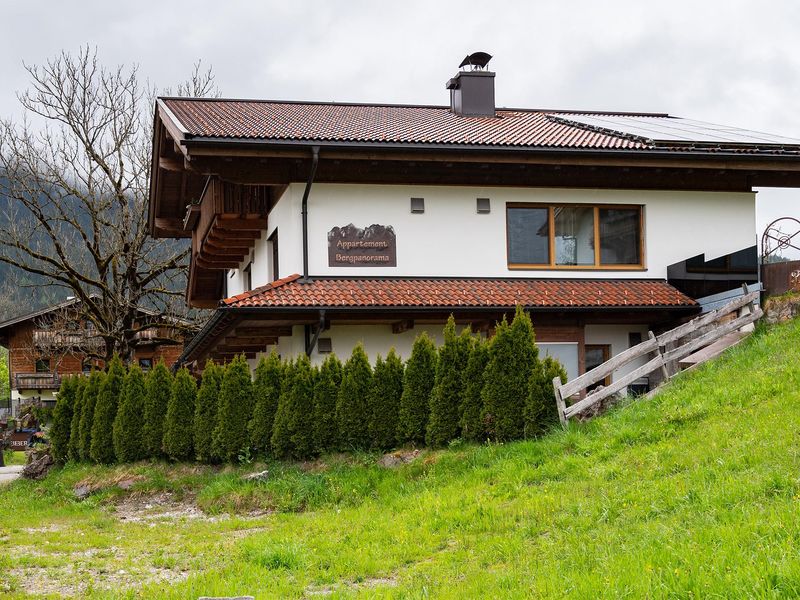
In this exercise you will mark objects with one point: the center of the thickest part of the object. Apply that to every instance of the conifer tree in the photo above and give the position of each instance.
(472, 427)
(326, 390)
(448, 391)
(74, 449)
(62, 419)
(105, 411)
(266, 392)
(178, 429)
(128, 424)
(280, 441)
(233, 415)
(352, 402)
(540, 409)
(205, 412)
(301, 411)
(418, 383)
(386, 391)
(512, 359)
(159, 390)
(90, 394)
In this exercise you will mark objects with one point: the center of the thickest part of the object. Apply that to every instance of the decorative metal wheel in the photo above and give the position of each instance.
(781, 234)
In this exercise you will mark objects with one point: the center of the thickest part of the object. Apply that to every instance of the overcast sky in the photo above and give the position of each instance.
(730, 62)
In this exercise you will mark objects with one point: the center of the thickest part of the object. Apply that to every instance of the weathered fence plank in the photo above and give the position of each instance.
(706, 319)
(711, 336)
(748, 313)
(602, 371)
(619, 384)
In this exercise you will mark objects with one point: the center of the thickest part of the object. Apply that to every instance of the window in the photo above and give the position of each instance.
(248, 277)
(86, 365)
(42, 365)
(146, 364)
(596, 355)
(273, 240)
(574, 236)
(564, 352)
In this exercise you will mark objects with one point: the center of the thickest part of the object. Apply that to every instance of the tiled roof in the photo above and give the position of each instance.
(374, 123)
(436, 125)
(336, 292)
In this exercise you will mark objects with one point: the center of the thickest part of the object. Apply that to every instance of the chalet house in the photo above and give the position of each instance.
(45, 345)
(315, 226)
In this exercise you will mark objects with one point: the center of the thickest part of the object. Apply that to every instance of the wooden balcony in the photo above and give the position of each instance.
(225, 225)
(47, 339)
(37, 381)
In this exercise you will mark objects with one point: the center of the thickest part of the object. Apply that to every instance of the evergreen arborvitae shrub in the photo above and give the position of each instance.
(301, 408)
(472, 426)
(512, 359)
(74, 448)
(205, 411)
(266, 392)
(233, 414)
(159, 391)
(540, 409)
(418, 381)
(129, 422)
(178, 430)
(448, 391)
(281, 442)
(90, 394)
(387, 389)
(326, 390)
(105, 411)
(352, 402)
(62, 419)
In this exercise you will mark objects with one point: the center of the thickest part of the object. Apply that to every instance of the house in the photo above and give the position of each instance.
(48, 344)
(315, 226)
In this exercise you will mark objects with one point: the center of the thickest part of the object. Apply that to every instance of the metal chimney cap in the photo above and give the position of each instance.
(476, 59)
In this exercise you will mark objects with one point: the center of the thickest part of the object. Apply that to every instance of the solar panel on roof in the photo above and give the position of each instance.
(676, 129)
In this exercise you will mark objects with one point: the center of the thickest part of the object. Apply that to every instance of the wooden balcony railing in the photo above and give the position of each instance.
(43, 338)
(37, 381)
(231, 219)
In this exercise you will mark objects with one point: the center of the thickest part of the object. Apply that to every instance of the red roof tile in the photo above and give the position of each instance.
(264, 120)
(332, 292)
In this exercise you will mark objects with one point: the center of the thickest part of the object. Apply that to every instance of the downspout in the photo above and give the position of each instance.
(304, 210)
(311, 343)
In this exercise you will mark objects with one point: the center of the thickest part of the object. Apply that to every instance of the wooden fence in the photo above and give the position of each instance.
(664, 350)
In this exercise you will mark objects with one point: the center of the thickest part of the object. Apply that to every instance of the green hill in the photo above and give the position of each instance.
(695, 493)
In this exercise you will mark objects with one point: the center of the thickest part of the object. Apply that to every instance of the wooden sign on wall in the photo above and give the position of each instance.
(351, 246)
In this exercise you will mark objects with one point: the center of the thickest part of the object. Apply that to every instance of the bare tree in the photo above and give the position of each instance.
(76, 172)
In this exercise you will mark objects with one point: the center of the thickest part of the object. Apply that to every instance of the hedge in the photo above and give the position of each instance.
(418, 380)
(470, 388)
(105, 411)
(159, 391)
(448, 390)
(235, 406)
(178, 429)
(129, 422)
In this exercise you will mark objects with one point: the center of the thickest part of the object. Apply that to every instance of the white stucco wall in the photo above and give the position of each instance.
(451, 239)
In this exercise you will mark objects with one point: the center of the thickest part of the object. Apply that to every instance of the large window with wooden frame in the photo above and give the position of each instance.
(574, 236)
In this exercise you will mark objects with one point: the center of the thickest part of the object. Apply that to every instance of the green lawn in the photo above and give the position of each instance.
(14, 457)
(693, 494)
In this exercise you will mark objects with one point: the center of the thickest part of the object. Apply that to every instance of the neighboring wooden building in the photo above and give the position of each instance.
(48, 344)
(315, 226)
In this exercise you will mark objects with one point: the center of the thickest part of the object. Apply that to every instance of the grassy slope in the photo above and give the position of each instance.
(694, 494)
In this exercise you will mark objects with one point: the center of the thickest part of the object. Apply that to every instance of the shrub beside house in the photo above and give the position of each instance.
(469, 388)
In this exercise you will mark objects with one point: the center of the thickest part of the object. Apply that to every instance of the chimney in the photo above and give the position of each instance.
(472, 89)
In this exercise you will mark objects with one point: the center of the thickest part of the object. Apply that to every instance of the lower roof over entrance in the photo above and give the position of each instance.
(249, 322)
